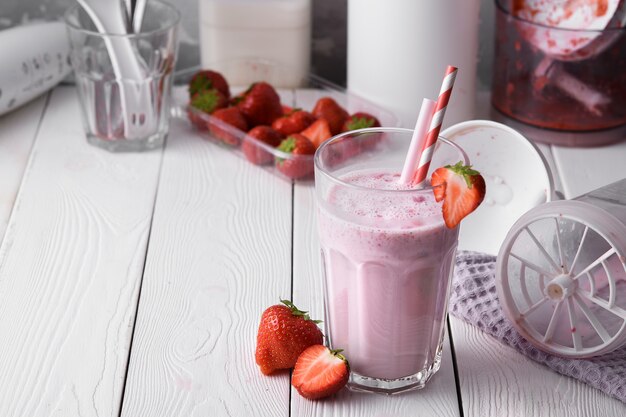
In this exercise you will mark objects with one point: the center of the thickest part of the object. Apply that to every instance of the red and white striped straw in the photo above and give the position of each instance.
(426, 153)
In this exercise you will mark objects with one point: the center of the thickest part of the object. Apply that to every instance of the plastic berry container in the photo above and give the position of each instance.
(240, 74)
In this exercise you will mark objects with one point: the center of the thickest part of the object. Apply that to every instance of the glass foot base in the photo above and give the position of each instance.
(128, 145)
(416, 381)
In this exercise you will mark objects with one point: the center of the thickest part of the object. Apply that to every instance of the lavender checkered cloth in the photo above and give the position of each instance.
(474, 299)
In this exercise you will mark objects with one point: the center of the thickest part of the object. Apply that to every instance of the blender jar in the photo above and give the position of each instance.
(560, 86)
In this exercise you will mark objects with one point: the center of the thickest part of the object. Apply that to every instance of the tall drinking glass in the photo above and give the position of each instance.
(387, 258)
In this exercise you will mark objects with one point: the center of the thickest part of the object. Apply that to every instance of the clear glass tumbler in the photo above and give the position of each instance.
(124, 79)
(387, 258)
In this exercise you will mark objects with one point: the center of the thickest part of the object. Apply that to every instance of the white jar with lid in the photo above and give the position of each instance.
(278, 31)
(398, 52)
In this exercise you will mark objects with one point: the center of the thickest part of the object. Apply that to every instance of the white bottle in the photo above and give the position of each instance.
(398, 51)
(236, 33)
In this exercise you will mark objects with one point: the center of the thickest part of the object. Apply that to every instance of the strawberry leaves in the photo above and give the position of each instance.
(465, 171)
(296, 312)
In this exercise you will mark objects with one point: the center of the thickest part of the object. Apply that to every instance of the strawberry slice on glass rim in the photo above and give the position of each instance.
(461, 189)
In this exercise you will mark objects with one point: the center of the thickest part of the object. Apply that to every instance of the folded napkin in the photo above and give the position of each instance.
(474, 299)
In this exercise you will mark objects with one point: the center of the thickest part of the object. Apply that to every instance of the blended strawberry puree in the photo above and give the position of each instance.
(387, 258)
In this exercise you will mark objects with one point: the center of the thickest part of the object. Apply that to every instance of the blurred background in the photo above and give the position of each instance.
(328, 44)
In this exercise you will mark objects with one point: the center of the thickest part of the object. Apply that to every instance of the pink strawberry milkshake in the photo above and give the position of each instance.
(387, 260)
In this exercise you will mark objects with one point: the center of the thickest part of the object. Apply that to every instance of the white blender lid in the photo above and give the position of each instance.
(561, 279)
(516, 175)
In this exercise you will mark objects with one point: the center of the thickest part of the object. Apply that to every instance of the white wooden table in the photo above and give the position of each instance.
(132, 285)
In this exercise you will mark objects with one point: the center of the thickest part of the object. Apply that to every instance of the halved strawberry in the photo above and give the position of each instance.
(461, 188)
(318, 132)
(206, 80)
(286, 109)
(320, 372)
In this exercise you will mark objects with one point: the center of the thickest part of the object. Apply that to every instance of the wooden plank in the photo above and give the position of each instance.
(17, 134)
(583, 170)
(498, 381)
(219, 254)
(439, 398)
(70, 268)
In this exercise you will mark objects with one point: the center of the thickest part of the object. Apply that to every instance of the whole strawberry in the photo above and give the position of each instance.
(300, 162)
(284, 333)
(232, 117)
(207, 80)
(327, 108)
(255, 152)
(461, 188)
(204, 102)
(360, 120)
(208, 101)
(197, 118)
(294, 122)
(260, 104)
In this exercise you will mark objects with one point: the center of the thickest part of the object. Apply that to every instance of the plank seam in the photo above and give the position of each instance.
(143, 272)
(457, 380)
(567, 194)
(293, 225)
(292, 237)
